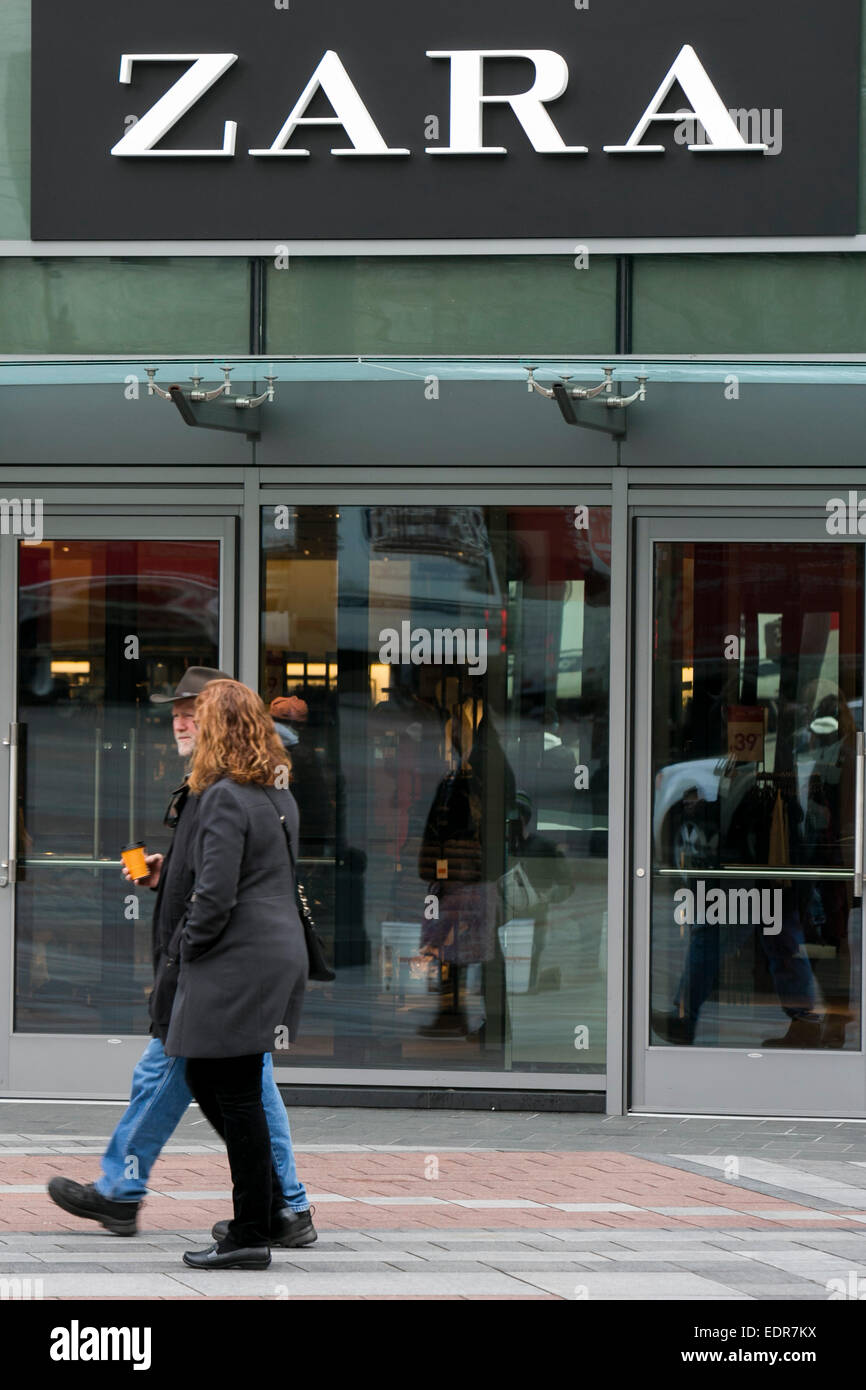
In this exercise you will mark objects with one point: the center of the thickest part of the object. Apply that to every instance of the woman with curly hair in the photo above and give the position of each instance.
(243, 959)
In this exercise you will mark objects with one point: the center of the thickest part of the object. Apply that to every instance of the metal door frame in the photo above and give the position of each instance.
(77, 1064)
(670, 1079)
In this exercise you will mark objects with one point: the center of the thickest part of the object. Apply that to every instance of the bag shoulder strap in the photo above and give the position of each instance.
(268, 791)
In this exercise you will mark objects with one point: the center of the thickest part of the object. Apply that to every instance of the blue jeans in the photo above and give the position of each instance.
(159, 1098)
(790, 972)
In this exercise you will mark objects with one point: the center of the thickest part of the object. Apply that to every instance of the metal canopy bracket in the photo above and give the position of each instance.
(574, 414)
(213, 418)
(232, 415)
(611, 418)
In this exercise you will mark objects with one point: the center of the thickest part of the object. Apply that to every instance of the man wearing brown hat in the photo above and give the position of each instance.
(160, 1094)
(309, 787)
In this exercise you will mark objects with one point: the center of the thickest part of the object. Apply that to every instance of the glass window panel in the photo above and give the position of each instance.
(154, 305)
(15, 125)
(757, 699)
(749, 303)
(444, 679)
(102, 626)
(451, 305)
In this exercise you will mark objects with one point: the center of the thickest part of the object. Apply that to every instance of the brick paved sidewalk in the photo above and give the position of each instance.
(411, 1222)
(594, 1191)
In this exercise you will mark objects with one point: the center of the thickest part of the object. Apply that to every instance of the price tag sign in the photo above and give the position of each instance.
(746, 733)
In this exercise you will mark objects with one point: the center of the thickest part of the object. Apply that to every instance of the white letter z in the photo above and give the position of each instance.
(207, 68)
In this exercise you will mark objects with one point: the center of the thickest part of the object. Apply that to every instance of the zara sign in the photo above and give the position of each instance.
(324, 119)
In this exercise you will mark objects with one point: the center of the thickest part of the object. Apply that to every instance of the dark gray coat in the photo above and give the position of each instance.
(243, 958)
(169, 912)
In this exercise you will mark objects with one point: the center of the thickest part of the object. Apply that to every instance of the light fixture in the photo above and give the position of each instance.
(563, 393)
(70, 668)
(222, 420)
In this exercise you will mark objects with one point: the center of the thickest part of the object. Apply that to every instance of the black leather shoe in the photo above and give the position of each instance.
(292, 1229)
(245, 1257)
(676, 1030)
(118, 1217)
(802, 1033)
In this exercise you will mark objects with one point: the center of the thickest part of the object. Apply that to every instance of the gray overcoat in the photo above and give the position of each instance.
(243, 958)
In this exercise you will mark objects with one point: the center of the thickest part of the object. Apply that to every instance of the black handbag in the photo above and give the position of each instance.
(319, 969)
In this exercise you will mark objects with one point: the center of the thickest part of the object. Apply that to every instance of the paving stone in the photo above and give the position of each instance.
(466, 1267)
(750, 1272)
(790, 1294)
(673, 1254)
(525, 1271)
(838, 1245)
(367, 1282)
(663, 1287)
(103, 1283)
(279, 1267)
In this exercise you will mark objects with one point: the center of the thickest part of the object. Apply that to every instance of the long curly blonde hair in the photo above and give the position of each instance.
(236, 738)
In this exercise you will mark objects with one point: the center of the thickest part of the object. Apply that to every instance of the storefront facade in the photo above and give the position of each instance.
(573, 687)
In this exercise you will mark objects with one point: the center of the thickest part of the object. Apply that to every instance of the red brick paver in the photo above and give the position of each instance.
(545, 1178)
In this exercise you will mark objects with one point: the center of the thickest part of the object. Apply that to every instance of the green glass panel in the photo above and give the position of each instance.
(749, 304)
(471, 305)
(121, 306)
(15, 119)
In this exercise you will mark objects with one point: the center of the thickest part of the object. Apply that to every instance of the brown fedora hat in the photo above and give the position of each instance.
(192, 683)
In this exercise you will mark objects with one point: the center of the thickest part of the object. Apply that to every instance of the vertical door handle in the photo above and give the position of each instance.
(859, 802)
(9, 866)
(131, 747)
(97, 789)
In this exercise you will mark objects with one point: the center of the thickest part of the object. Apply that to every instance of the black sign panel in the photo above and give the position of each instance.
(429, 148)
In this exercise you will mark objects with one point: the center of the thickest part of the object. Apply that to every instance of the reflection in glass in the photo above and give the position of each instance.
(444, 674)
(102, 626)
(757, 699)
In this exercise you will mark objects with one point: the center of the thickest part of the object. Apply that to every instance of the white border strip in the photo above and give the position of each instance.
(730, 1115)
(475, 246)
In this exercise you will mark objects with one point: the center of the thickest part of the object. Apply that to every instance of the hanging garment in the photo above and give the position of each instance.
(451, 844)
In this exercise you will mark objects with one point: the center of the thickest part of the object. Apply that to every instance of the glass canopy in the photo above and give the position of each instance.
(89, 371)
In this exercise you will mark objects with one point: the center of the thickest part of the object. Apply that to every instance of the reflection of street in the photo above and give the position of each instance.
(82, 965)
(574, 955)
(753, 796)
(738, 984)
(68, 968)
(97, 764)
(383, 1001)
(438, 962)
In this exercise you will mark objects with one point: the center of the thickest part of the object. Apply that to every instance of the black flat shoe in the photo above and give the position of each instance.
(245, 1257)
(291, 1230)
(86, 1201)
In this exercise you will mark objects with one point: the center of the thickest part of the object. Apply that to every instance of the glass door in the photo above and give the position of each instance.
(105, 614)
(749, 819)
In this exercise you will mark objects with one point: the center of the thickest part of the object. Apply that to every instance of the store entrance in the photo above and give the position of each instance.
(105, 614)
(749, 819)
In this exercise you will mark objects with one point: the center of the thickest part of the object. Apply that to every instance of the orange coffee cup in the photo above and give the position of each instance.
(133, 857)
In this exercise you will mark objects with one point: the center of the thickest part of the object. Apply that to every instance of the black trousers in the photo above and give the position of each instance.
(229, 1091)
